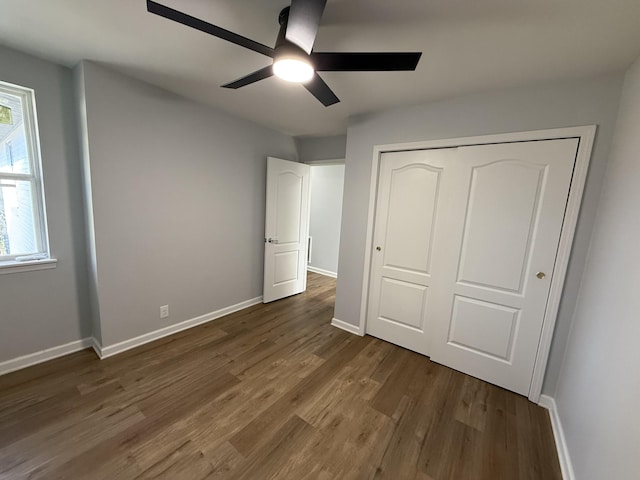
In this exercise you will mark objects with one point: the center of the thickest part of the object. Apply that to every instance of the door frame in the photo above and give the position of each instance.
(586, 136)
(322, 163)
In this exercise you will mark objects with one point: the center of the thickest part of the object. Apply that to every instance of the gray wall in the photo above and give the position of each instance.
(178, 202)
(47, 308)
(83, 138)
(599, 386)
(327, 184)
(593, 101)
(321, 148)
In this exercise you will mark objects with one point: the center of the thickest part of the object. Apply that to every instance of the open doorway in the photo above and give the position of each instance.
(327, 186)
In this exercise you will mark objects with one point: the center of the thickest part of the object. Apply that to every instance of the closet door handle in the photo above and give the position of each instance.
(379, 248)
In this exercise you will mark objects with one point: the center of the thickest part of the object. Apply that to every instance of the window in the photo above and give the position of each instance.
(23, 229)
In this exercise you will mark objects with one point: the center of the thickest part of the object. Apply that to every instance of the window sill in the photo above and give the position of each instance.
(18, 267)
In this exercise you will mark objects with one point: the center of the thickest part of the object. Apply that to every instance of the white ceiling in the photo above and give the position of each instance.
(469, 46)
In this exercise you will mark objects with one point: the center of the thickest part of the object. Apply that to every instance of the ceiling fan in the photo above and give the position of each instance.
(293, 57)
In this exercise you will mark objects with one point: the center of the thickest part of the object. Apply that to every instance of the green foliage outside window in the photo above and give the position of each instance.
(5, 115)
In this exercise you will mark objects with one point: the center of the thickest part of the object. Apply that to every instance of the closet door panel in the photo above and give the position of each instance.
(409, 213)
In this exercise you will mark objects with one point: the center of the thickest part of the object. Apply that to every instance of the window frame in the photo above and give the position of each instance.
(35, 178)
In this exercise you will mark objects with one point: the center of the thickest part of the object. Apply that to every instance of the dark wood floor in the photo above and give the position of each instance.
(272, 391)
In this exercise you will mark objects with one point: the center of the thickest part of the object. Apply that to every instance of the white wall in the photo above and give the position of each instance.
(592, 101)
(327, 183)
(44, 309)
(598, 391)
(178, 202)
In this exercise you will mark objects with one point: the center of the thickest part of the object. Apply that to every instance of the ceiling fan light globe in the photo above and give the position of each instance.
(293, 70)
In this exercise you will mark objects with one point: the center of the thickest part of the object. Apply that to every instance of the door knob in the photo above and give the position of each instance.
(273, 240)
(378, 248)
(541, 275)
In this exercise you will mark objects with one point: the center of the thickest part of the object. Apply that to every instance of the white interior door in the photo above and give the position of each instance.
(286, 229)
(505, 218)
(408, 226)
(468, 239)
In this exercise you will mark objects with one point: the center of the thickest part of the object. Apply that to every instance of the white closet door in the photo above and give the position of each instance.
(506, 209)
(409, 214)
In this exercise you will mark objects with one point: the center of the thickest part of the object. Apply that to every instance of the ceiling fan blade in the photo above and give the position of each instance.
(304, 18)
(193, 22)
(365, 62)
(256, 76)
(321, 91)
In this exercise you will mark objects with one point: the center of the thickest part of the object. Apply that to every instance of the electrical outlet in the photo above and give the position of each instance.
(164, 311)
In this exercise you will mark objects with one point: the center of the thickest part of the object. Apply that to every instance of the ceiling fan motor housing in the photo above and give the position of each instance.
(284, 48)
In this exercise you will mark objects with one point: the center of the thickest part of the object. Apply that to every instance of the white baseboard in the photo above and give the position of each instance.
(25, 361)
(322, 271)
(347, 327)
(561, 444)
(110, 350)
(96, 346)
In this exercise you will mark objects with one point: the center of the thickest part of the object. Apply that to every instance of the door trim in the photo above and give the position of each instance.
(586, 136)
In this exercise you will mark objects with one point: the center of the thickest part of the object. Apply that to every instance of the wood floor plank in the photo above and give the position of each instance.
(472, 408)
(398, 384)
(272, 391)
(185, 462)
(271, 461)
(402, 450)
(259, 430)
(37, 417)
(224, 460)
(64, 440)
(351, 385)
(500, 447)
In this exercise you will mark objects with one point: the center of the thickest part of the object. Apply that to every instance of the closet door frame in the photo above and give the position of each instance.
(586, 136)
